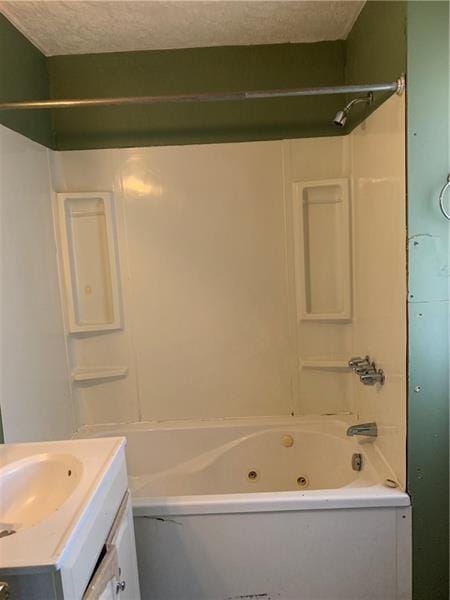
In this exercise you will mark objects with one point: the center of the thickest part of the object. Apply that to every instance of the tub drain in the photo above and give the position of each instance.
(302, 481)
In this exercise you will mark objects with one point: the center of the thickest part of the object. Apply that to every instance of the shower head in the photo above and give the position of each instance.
(341, 116)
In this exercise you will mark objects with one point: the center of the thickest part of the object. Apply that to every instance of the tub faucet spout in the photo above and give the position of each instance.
(366, 429)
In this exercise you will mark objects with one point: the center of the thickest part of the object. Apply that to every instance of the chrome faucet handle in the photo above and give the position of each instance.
(373, 377)
(356, 361)
(365, 368)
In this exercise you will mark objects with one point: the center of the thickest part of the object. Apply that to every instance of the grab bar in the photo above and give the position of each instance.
(441, 199)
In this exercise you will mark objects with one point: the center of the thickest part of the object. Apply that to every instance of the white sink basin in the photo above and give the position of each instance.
(35, 487)
(49, 492)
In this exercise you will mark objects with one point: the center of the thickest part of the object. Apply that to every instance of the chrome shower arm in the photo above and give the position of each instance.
(368, 100)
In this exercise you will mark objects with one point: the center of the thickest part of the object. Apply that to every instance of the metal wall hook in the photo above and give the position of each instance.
(441, 199)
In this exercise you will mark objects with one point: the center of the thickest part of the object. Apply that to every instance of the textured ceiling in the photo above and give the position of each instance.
(79, 27)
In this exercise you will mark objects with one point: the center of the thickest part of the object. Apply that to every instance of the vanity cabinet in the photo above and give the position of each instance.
(114, 575)
(84, 548)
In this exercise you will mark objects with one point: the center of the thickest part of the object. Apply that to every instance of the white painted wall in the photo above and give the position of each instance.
(34, 392)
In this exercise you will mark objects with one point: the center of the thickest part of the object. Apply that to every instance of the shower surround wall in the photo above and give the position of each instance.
(212, 324)
(201, 233)
(323, 344)
(379, 259)
(373, 158)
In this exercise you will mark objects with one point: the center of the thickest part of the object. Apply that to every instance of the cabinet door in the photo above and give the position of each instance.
(103, 585)
(116, 577)
(123, 540)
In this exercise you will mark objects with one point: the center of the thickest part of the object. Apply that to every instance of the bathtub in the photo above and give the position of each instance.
(265, 508)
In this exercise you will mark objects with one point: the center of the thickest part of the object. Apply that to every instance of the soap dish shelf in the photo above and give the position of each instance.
(93, 374)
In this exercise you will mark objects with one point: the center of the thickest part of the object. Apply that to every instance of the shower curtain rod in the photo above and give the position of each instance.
(396, 86)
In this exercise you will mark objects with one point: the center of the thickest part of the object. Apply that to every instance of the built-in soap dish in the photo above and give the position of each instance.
(92, 374)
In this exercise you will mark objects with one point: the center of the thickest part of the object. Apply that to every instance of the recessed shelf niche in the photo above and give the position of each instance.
(322, 249)
(90, 261)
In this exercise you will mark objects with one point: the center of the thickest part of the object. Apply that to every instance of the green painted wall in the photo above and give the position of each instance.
(196, 70)
(376, 50)
(428, 420)
(23, 74)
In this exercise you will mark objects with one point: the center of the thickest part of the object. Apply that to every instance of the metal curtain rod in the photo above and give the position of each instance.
(396, 86)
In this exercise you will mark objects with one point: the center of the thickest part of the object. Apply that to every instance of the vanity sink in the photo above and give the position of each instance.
(52, 494)
(34, 487)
